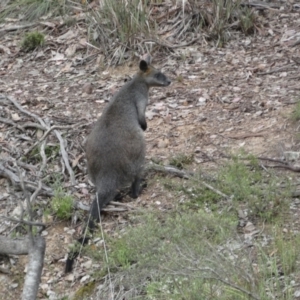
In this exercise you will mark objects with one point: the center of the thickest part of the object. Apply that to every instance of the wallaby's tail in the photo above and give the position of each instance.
(102, 198)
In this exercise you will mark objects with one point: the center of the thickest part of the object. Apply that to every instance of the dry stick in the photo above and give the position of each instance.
(44, 158)
(61, 141)
(182, 174)
(259, 157)
(17, 27)
(24, 221)
(296, 43)
(288, 167)
(33, 125)
(37, 248)
(163, 44)
(26, 112)
(65, 157)
(28, 204)
(284, 165)
(9, 122)
(36, 192)
(280, 69)
(48, 132)
(15, 181)
(244, 136)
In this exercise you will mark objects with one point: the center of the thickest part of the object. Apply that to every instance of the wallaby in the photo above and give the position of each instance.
(115, 149)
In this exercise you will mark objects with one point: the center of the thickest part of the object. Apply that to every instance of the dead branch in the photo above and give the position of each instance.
(280, 69)
(10, 122)
(26, 222)
(35, 266)
(4, 270)
(288, 167)
(244, 136)
(260, 5)
(44, 158)
(65, 157)
(182, 174)
(25, 111)
(168, 170)
(17, 27)
(167, 45)
(49, 129)
(30, 186)
(14, 246)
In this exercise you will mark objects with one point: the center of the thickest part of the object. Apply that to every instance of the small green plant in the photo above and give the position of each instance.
(85, 291)
(62, 204)
(179, 78)
(296, 112)
(181, 160)
(247, 20)
(32, 40)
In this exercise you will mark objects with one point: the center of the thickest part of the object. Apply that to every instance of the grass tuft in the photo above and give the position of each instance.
(62, 204)
(32, 41)
(296, 112)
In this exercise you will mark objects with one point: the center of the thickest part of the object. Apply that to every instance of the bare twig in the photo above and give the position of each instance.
(182, 174)
(48, 132)
(65, 157)
(26, 112)
(15, 220)
(10, 122)
(15, 181)
(44, 158)
(17, 27)
(280, 69)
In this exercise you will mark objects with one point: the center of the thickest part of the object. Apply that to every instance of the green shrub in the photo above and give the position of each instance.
(62, 204)
(32, 40)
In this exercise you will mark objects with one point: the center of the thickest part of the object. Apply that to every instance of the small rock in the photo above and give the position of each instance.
(87, 88)
(84, 278)
(14, 285)
(44, 233)
(201, 101)
(70, 277)
(291, 155)
(297, 293)
(87, 264)
(163, 143)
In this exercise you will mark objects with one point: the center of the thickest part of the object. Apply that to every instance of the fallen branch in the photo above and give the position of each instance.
(37, 249)
(185, 175)
(244, 136)
(30, 186)
(49, 129)
(280, 69)
(65, 157)
(17, 27)
(14, 246)
(10, 122)
(15, 220)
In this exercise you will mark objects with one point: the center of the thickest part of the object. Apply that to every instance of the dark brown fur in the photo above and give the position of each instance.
(115, 149)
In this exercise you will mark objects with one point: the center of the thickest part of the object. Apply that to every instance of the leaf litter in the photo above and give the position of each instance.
(220, 99)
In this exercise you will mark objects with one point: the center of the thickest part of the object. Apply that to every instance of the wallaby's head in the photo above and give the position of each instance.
(152, 76)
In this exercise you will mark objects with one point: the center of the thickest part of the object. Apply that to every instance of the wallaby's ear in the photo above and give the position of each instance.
(143, 66)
